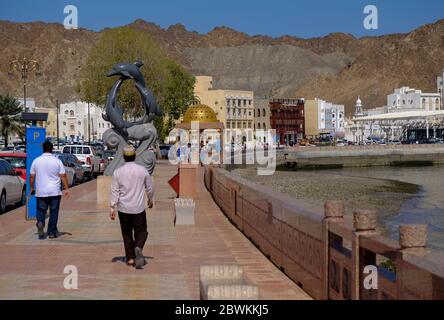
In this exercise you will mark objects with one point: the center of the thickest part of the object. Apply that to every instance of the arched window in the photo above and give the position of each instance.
(264, 126)
(66, 112)
(64, 123)
(263, 112)
(71, 113)
(258, 125)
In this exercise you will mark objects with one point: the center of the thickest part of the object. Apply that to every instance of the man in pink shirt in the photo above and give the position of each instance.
(129, 185)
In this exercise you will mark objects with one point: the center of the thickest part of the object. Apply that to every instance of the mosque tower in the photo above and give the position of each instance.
(358, 108)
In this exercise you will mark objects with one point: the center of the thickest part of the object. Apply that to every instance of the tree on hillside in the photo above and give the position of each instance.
(171, 84)
(10, 112)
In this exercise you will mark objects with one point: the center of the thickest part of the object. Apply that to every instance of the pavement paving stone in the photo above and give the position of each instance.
(34, 269)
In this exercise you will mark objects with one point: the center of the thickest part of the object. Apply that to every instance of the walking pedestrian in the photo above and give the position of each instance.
(47, 176)
(129, 185)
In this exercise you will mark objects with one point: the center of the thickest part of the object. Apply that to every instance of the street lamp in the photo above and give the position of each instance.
(24, 66)
(58, 136)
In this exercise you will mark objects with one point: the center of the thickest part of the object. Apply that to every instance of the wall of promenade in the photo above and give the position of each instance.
(360, 156)
(321, 250)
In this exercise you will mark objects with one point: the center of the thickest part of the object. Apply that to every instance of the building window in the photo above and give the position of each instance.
(264, 126)
(64, 123)
(108, 125)
(71, 113)
(80, 123)
(258, 125)
(66, 112)
(263, 112)
(249, 125)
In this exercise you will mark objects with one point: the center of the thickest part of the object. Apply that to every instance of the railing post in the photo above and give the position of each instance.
(364, 223)
(333, 212)
(412, 236)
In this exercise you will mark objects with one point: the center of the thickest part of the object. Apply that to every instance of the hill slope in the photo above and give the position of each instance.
(337, 67)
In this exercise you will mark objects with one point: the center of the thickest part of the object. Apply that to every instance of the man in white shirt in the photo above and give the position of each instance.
(129, 184)
(47, 175)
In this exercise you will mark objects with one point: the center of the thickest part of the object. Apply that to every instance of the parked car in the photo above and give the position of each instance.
(164, 149)
(70, 172)
(104, 161)
(12, 187)
(18, 162)
(70, 161)
(110, 154)
(88, 156)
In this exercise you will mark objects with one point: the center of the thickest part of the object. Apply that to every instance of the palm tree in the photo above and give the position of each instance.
(10, 111)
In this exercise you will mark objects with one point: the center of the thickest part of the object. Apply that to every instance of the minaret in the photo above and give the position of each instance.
(358, 108)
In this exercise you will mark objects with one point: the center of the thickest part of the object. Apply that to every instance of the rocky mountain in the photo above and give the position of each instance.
(337, 67)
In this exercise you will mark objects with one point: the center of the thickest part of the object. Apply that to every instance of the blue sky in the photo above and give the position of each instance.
(302, 18)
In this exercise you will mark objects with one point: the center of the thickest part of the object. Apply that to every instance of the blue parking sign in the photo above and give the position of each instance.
(34, 140)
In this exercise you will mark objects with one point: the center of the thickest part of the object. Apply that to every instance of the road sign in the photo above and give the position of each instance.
(34, 139)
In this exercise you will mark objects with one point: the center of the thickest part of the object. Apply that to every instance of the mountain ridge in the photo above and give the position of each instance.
(337, 66)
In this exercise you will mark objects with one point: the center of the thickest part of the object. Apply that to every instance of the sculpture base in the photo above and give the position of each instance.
(188, 180)
(103, 191)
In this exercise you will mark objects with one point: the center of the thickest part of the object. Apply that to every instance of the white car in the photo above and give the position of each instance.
(87, 155)
(12, 187)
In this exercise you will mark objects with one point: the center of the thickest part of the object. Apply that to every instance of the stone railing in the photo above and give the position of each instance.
(328, 255)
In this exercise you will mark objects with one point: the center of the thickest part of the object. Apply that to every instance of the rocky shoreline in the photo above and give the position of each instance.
(316, 187)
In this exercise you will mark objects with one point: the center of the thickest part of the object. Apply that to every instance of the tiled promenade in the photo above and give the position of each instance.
(33, 269)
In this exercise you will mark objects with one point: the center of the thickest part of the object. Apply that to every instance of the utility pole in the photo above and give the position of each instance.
(58, 136)
(89, 126)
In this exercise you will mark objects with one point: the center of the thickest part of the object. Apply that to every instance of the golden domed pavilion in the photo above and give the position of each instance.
(206, 119)
(200, 113)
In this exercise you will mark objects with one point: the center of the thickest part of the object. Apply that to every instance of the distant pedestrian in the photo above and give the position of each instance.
(47, 175)
(129, 185)
(188, 153)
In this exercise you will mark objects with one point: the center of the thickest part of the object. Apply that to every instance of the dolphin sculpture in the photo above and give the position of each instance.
(114, 113)
(128, 71)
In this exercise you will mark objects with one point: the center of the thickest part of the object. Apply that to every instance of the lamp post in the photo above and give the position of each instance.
(58, 136)
(24, 66)
(89, 126)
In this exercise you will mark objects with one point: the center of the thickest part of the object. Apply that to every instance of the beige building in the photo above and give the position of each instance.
(234, 108)
(261, 114)
(322, 117)
(51, 123)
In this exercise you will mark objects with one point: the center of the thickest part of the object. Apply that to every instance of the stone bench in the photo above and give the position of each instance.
(232, 292)
(184, 211)
(218, 282)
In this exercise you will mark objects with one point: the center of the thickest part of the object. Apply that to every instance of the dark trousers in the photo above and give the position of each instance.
(53, 203)
(133, 223)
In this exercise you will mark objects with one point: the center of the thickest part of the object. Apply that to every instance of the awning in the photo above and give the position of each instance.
(403, 115)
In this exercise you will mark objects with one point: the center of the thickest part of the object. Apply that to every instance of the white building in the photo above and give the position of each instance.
(360, 132)
(440, 88)
(409, 99)
(30, 104)
(324, 117)
(73, 122)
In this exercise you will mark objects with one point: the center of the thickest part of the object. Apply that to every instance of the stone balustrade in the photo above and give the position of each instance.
(327, 254)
